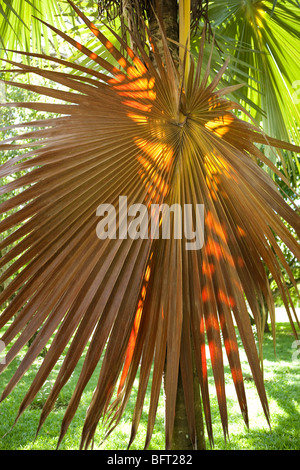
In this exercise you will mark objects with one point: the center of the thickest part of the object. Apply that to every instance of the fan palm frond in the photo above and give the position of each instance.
(19, 29)
(272, 60)
(139, 303)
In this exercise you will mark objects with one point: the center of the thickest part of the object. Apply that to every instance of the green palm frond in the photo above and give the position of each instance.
(20, 30)
(237, 72)
(273, 30)
(139, 303)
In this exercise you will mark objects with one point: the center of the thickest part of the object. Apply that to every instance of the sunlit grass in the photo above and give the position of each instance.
(282, 386)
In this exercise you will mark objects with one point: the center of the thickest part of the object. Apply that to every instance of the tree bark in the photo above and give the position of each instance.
(167, 10)
(181, 438)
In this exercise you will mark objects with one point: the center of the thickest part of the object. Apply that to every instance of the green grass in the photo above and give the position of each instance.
(282, 386)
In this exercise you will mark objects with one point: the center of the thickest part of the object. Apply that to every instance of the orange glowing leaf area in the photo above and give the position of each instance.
(221, 125)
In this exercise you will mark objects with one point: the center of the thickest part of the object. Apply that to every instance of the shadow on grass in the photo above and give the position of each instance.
(281, 382)
(22, 435)
(282, 386)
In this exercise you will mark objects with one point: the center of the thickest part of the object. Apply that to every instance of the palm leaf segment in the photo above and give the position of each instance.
(267, 50)
(140, 304)
(17, 27)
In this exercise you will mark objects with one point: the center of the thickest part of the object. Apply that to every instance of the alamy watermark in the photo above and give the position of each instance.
(296, 353)
(296, 94)
(157, 221)
(2, 92)
(2, 356)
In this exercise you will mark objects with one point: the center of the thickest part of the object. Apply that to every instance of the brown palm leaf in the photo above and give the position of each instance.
(146, 304)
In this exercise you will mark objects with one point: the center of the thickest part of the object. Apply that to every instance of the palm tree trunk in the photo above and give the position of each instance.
(168, 11)
(181, 438)
(176, 22)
